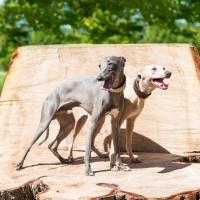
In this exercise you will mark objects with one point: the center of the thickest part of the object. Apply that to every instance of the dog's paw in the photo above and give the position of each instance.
(65, 161)
(104, 155)
(121, 167)
(70, 159)
(89, 172)
(135, 160)
(115, 169)
(19, 166)
(124, 167)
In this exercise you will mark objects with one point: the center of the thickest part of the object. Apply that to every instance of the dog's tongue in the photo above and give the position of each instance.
(163, 84)
(108, 84)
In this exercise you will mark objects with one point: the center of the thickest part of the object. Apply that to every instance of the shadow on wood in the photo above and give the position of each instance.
(140, 143)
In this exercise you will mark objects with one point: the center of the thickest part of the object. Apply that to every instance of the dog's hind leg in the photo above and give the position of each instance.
(41, 128)
(46, 137)
(115, 160)
(48, 110)
(67, 123)
(79, 125)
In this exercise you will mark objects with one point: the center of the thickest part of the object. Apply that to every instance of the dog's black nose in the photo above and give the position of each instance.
(100, 77)
(168, 74)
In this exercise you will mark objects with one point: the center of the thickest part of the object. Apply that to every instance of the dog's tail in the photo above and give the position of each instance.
(46, 137)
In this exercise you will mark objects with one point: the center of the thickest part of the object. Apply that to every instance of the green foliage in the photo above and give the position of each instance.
(29, 22)
(2, 78)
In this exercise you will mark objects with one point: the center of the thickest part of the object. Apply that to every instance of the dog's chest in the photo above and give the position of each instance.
(132, 108)
(135, 112)
(114, 112)
(112, 103)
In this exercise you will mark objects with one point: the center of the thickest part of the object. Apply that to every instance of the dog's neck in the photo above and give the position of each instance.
(119, 84)
(141, 90)
(119, 80)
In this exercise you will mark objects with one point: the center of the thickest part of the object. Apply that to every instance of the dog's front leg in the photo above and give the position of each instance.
(114, 154)
(93, 124)
(129, 143)
(115, 160)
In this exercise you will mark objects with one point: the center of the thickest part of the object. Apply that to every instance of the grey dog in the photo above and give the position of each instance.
(148, 79)
(96, 96)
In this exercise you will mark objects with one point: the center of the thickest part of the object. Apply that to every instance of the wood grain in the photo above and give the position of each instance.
(170, 119)
(168, 116)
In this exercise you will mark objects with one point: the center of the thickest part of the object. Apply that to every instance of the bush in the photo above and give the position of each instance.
(2, 78)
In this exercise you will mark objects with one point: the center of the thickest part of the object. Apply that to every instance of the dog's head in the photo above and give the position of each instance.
(111, 68)
(154, 76)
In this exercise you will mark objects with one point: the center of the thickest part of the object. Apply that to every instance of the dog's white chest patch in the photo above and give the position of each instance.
(114, 112)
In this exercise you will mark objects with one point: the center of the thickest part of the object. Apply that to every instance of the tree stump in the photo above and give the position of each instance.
(170, 121)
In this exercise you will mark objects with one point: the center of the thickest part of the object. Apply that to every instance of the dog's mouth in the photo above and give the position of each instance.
(161, 83)
(108, 83)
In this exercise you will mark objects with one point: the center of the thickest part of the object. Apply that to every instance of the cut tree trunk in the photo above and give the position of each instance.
(169, 123)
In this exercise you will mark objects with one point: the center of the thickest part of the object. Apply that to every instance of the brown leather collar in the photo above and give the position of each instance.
(137, 90)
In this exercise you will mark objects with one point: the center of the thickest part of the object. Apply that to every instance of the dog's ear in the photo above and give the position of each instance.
(139, 74)
(123, 60)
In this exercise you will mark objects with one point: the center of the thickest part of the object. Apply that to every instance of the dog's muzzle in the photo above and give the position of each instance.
(100, 77)
(162, 83)
(168, 74)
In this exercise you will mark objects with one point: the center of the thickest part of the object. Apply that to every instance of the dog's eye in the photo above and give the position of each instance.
(99, 66)
(153, 69)
(163, 68)
(109, 63)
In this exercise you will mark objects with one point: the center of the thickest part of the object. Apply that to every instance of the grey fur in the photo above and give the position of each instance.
(87, 92)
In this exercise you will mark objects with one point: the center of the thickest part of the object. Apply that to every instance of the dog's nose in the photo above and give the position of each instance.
(100, 77)
(168, 74)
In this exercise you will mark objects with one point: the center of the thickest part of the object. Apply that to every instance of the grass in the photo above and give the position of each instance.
(2, 78)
